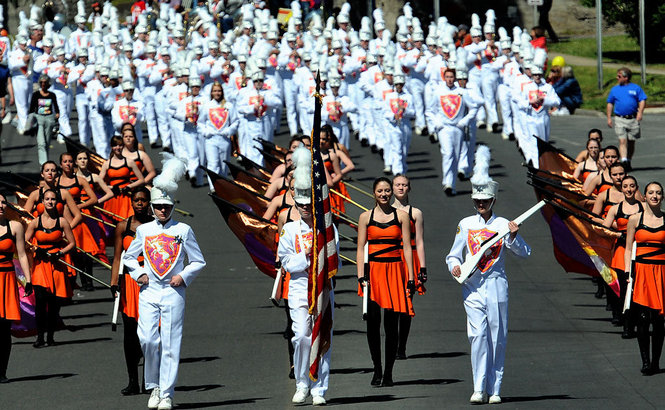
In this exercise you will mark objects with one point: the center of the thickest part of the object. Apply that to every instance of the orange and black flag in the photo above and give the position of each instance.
(255, 233)
(247, 179)
(238, 194)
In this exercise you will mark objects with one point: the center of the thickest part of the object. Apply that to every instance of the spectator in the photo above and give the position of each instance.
(628, 101)
(568, 90)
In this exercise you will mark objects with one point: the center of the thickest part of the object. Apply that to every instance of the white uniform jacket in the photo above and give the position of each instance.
(472, 231)
(162, 247)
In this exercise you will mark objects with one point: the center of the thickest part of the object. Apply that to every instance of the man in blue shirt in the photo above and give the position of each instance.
(627, 100)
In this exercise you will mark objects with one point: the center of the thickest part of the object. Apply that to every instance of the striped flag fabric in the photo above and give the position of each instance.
(325, 258)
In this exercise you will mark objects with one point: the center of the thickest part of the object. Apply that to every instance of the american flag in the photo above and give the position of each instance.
(324, 263)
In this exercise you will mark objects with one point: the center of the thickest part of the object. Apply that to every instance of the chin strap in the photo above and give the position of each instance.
(474, 205)
(169, 215)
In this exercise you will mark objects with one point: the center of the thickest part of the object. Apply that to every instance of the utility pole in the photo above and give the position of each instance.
(599, 42)
(643, 57)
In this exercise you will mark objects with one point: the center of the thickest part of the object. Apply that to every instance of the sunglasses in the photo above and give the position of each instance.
(162, 206)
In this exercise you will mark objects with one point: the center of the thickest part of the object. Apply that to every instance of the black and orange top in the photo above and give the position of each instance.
(139, 164)
(128, 236)
(607, 204)
(119, 176)
(621, 219)
(384, 239)
(284, 188)
(650, 243)
(84, 195)
(49, 238)
(75, 189)
(586, 171)
(59, 203)
(7, 249)
(604, 185)
(283, 205)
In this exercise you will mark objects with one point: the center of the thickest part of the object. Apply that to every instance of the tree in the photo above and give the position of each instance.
(626, 12)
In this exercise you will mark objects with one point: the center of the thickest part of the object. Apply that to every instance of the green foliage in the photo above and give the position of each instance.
(626, 12)
(595, 99)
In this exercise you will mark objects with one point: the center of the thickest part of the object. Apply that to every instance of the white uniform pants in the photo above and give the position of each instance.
(380, 137)
(486, 308)
(305, 120)
(83, 112)
(150, 117)
(417, 89)
(162, 121)
(367, 122)
(99, 137)
(195, 152)
(290, 100)
(468, 150)
(302, 339)
(179, 148)
(22, 94)
(161, 349)
(450, 144)
(64, 105)
(489, 84)
(506, 109)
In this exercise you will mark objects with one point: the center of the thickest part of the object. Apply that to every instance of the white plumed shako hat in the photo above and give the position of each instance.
(482, 185)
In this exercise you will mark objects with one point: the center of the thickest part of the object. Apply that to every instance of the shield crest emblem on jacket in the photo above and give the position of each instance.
(218, 116)
(162, 251)
(475, 241)
(533, 94)
(451, 104)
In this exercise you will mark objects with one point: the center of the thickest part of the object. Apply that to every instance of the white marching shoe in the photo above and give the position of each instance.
(300, 396)
(495, 399)
(318, 401)
(165, 404)
(154, 400)
(478, 397)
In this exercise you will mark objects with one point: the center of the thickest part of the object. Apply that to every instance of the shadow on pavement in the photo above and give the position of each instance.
(14, 163)
(43, 377)
(200, 359)
(436, 355)
(83, 341)
(217, 403)
(201, 388)
(82, 316)
(19, 147)
(364, 399)
(537, 398)
(425, 382)
(352, 370)
(346, 332)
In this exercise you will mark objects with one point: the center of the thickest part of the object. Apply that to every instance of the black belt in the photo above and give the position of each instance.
(627, 117)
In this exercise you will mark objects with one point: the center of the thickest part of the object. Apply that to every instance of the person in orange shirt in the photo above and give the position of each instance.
(11, 241)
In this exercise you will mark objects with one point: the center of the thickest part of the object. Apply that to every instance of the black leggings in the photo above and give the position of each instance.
(404, 328)
(288, 332)
(645, 317)
(390, 322)
(85, 264)
(47, 311)
(132, 347)
(5, 344)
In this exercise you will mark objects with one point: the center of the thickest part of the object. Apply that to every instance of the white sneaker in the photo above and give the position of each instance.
(318, 401)
(505, 136)
(387, 170)
(7, 118)
(495, 399)
(154, 400)
(300, 396)
(165, 404)
(419, 131)
(481, 124)
(478, 397)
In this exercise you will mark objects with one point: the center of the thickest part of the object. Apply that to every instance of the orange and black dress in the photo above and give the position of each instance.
(119, 177)
(604, 184)
(59, 203)
(387, 271)
(9, 296)
(336, 201)
(51, 275)
(129, 289)
(586, 171)
(649, 286)
(607, 204)
(97, 229)
(140, 165)
(621, 219)
(82, 234)
(420, 287)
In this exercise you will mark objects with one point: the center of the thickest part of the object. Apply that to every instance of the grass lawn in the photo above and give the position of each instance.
(595, 99)
(616, 49)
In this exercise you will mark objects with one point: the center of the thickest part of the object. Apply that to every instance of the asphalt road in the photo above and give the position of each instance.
(563, 351)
